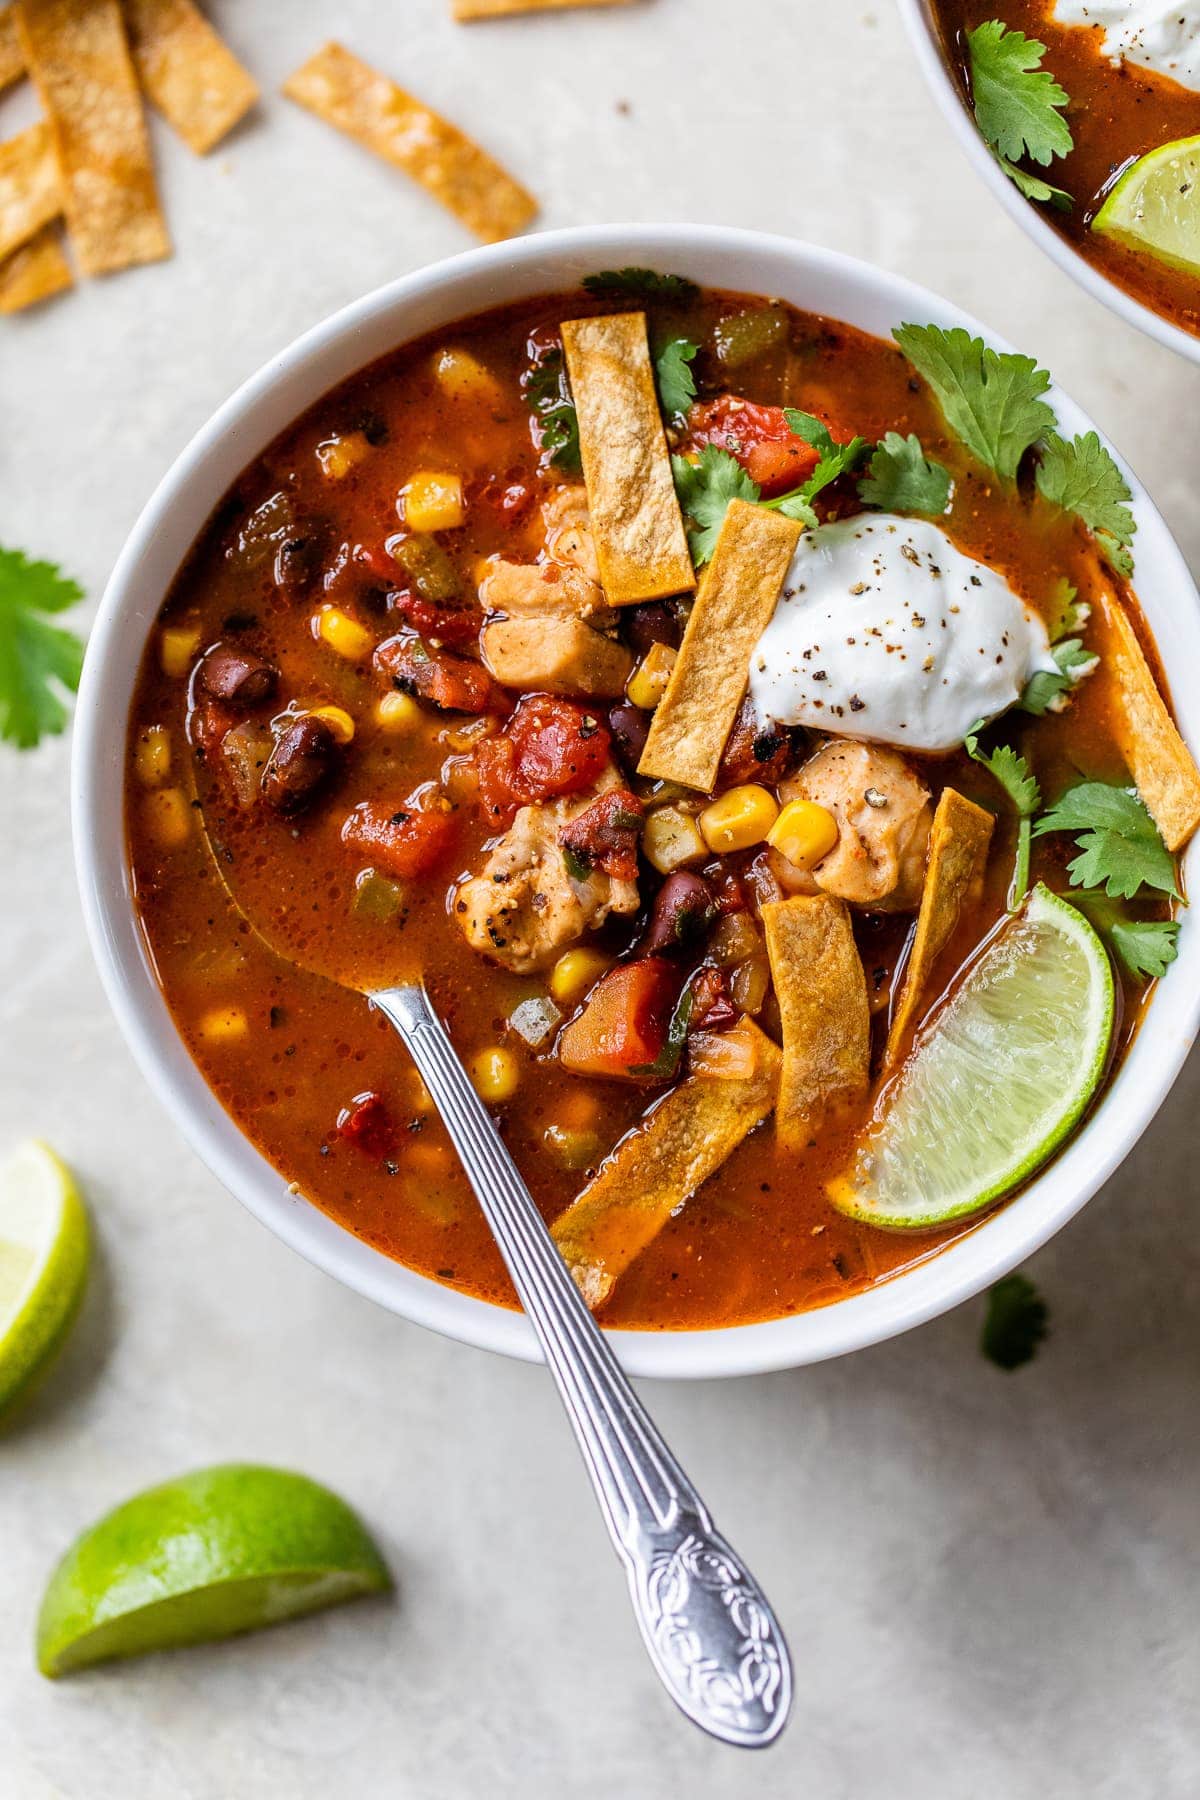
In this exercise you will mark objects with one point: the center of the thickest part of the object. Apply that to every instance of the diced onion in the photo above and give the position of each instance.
(722, 1055)
(535, 1019)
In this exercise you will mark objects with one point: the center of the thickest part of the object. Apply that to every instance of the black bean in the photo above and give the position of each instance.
(653, 623)
(630, 727)
(302, 761)
(236, 677)
(683, 909)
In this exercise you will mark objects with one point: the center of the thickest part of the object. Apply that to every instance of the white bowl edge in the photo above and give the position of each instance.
(819, 281)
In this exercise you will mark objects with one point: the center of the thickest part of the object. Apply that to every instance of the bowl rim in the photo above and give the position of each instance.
(927, 47)
(159, 540)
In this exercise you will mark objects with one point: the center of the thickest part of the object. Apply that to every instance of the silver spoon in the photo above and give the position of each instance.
(706, 1623)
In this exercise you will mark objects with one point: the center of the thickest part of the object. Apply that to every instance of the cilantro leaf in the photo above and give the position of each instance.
(990, 398)
(794, 506)
(1010, 770)
(37, 659)
(1045, 690)
(1120, 848)
(548, 396)
(1016, 1321)
(1017, 105)
(835, 459)
(1034, 187)
(1146, 947)
(676, 385)
(705, 489)
(639, 284)
(901, 478)
(1117, 555)
(1080, 476)
(1071, 614)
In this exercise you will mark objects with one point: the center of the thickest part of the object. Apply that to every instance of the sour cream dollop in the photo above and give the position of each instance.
(1160, 34)
(885, 631)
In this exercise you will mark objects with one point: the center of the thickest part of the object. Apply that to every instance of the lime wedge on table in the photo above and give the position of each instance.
(1155, 206)
(43, 1263)
(998, 1079)
(213, 1553)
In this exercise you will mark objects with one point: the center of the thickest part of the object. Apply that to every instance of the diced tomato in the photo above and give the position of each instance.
(549, 747)
(508, 496)
(357, 565)
(447, 681)
(758, 436)
(623, 1025)
(457, 625)
(606, 834)
(367, 1124)
(754, 751)
(712, 1008)
(404, 842)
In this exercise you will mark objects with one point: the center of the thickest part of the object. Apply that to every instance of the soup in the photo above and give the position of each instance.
(1130, 77)
(644, 668)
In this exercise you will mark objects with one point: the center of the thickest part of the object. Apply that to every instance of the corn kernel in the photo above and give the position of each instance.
(574, 973)
(338, 455)
(397, 712)
(177, 648)
(338, 720)
(738, 819)
(648, 682)
(496, 1075)
(168, 818)
(803, 833)
(434, 502)
(224, 1024)
(671, 839)
(152, 758)
(430, 1161)
(462, 376)
(344, 635)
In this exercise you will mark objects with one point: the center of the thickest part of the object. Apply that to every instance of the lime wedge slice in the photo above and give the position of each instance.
(1155, 207)
(996, 1081)
(43, 1264)
(213, 1553)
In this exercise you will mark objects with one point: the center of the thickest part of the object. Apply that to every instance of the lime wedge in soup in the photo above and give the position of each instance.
(43, 1264)
(220, 1551)
(1155, 206)
(997, 1080)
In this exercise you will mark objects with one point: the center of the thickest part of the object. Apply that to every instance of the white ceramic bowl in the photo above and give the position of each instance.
(820, 281)
(926, 41)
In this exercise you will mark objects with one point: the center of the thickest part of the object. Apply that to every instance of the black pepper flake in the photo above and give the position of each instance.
(857, 705)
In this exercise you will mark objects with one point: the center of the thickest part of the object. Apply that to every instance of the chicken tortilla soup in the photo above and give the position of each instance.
(745, 728)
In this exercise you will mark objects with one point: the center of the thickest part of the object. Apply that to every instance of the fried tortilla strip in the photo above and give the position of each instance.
(12, 63)
(641, 544)
(34, 272)
(1159, 761)
(191, 74)
(654, 1170)
(30, 190)
(958, 848)
(78, 55)
(351, 96)
(822, 995)
(737, 596)
(500, 9)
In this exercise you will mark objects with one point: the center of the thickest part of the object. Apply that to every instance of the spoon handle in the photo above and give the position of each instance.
(708, 1627)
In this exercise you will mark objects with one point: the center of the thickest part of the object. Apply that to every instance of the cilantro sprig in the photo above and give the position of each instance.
(705, 489)
(1046, 689)
(1018, 107)
(38, 660)
(1016, 1321)
(1080, 475)
(676, 383)
(991, 400)
(834, 460)
(1146, 947)
(1120, 850)
(901, 478)
(640, 284)
(1020, 785)
(548, 396)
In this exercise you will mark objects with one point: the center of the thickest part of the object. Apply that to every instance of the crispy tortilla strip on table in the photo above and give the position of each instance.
(958, 848)
(499, 9)
(367, 106)
(822, 994)
(34, 272)
(641, 545)
(737, 596)
(12, 63)
(190, 73)
(78, 55)
(1159, 761)
(30, 189)
(653, 1171)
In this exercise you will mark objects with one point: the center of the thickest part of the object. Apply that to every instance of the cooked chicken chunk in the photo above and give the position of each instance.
(552, 634)
(523, 909)
(884, 812)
